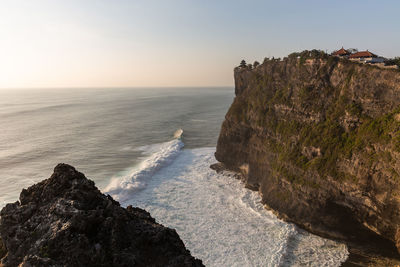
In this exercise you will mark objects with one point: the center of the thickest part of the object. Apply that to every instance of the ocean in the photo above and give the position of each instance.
(152, 148)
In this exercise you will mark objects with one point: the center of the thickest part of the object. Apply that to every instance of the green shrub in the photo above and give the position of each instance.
(354, 109)
(289, 136)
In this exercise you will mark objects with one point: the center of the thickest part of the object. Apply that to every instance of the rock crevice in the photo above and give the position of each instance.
(320, 139)
(66, 221)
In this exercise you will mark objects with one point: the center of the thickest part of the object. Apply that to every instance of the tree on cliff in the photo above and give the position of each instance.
(352, 50)
(393, 61)
(243, 64)
(256, 64)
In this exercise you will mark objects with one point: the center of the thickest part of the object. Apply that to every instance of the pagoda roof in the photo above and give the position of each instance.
(362, 54)
(341, 52)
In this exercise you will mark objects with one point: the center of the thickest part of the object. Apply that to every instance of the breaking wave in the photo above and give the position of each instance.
(158, 156)
(219, 220)
(225, 224)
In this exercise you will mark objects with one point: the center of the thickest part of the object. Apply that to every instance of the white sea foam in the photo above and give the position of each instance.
(223, 223)
(157, 156)
(178, 134)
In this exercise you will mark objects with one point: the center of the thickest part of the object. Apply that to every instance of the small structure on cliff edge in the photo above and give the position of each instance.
(319, 137)
(341, 53)
(366, 57)
(361, 57)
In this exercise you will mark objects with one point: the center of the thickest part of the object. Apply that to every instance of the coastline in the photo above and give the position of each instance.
(378, 252)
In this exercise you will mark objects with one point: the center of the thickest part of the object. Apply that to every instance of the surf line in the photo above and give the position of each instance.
(137, 177)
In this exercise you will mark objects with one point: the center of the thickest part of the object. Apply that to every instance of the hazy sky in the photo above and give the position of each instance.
(84, 43)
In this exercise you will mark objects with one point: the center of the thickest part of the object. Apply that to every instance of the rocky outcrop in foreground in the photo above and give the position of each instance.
(319, 138)
(66, 221)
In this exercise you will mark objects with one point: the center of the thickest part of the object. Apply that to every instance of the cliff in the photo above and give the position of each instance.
(319, 138)
(66, 221)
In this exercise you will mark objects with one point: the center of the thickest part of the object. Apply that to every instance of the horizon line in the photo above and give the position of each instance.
(116, 87)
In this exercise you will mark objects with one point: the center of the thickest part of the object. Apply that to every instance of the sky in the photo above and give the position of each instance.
(149, 43)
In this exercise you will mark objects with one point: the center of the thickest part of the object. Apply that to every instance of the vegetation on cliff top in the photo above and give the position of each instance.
(317, 54)
(320, 139)
(394, 61)
(329, 132)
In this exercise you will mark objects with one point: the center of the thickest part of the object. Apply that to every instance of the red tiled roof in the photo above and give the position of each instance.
(363, 54)
(341, 52)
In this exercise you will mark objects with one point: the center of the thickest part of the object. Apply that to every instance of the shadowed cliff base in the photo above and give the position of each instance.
(66, 221)
(365, 249)
(319, 138)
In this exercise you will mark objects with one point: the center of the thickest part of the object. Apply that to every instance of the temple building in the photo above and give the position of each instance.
(341, 53)
(362, 56)
(366, 57)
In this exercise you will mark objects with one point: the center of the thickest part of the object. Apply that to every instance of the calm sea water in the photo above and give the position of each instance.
(126, 140)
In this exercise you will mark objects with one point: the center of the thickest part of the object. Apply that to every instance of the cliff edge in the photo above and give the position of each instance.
(66, 221)
(319, 138)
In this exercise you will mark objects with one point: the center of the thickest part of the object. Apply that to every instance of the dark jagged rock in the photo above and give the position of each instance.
(3, 250)
(319, 138)
(66, 221)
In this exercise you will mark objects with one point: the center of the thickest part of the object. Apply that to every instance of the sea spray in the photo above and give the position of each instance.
(159, 155)
(224, 223)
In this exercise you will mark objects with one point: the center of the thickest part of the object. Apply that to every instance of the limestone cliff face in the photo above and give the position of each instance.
(319, 138)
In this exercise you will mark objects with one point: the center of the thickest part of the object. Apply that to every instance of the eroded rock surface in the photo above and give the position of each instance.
(66, 221)
(319, 138)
